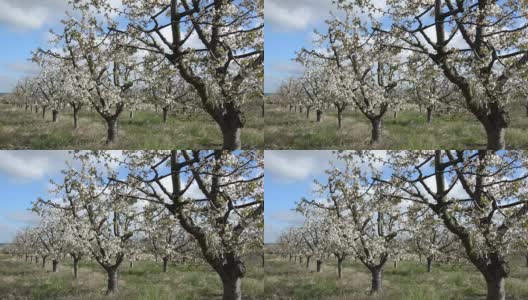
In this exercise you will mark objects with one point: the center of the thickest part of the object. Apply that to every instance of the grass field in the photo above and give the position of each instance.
(21, 281)
(410, 130)
(409, 281)
(26, 130)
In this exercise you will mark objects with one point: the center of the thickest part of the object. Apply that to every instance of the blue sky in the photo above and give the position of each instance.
(24, 26)
(289, 176)
(289, 27)
(24, 176)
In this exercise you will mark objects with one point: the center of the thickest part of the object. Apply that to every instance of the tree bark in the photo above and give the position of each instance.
(307, 113)
(55, 264)
(319, 114)
(55, 115)
(339, 266)
(43, 262)
(308, 262)
(263, 109)
(377, 280)
(496, 288)
(112, 281)
(43, 113)
(429, 263)
(429, 114)
(232, 288)
(36, 259)
(131, 264)
(376, 130)
(526, 256)
(75, 266)
(263, 259)
(495, 135)
(165, 111)
(231, 136)
(131, 115)
(339, 117)
(111, 123)
(319, 264)
(76, 117)
(165, 261)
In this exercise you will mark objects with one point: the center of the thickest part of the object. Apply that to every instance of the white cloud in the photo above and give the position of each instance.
(295, 165)
(31, 164)
(296, 15)
(30, 14)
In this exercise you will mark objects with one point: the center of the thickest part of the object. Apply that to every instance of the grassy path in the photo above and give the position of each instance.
(409, 281)
(21, 281)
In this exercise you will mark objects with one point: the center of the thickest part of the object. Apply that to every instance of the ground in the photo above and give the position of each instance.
(409, 281)
(145, 281)
(25, 130)
(409, 130)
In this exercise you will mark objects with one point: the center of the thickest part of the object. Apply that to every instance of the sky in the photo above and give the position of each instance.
(24, 26)
(289, 176)
(289, 27)
(24, 176)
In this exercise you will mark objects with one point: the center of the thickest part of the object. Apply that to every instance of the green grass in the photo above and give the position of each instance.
(25, 130)
(409, 130)
(145, 281)
(409, 281)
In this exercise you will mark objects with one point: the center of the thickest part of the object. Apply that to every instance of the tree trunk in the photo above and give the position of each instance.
(526, 256)
(27, 256)
(263, 109)
(300, 260)
(263, 259)
(165, 261)
(75, 117)
(43, 262)
(319, 264)
(131, 115)
(429, 115)
(36, 109)
(319, 114)
(307, 113)
(300, 109)
(131, 264)
(231, 135)
(31, 259)
(165, 111)
(496, 288)
(27, 107)
(43, 113)
(75, 266)
(308, 262)
(339, 117)
(395, 114)
(55, 264)
(36, 260)
(290, 258)
(395, 264)
(112, 281)
(232, 288)
(377, 280)
(54, 115)
(111, 123)
(376, 130)
(495, 137)
(429, 264)
(339, 266)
